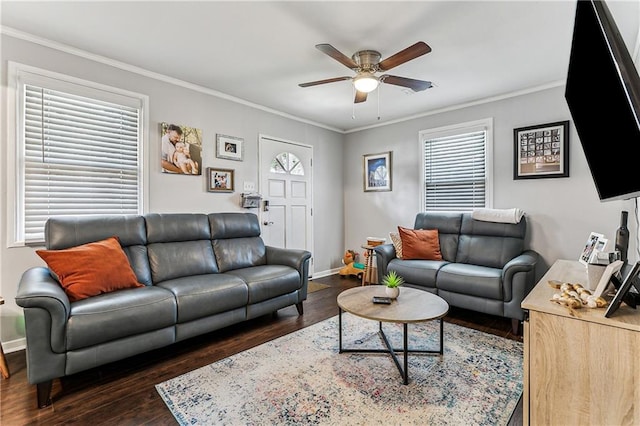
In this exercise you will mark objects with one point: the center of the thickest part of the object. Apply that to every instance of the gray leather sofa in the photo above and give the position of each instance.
(485, 266)
(200, 273)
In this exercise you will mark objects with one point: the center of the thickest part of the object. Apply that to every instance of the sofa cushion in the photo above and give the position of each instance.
(472, 280)
(173, 227)
(397, 243)
(420, 244)
(420, 272)
(199, 296)
(181, 259)
(268, 281)
(91, 269)
(236, 253)
(119, 314)
(233, 225)
(70, 231)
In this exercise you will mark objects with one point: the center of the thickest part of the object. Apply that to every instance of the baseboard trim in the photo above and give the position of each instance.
(14, 345)
(325, 273)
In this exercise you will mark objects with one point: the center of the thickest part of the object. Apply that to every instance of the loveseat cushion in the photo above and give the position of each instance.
(490, 243)
(268, 281)
(119, 314)
(448, 226)
(473, 280)
(419, 272)
(199, 296)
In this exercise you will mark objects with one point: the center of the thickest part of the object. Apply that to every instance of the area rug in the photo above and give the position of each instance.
(301, 379)
(313, 286)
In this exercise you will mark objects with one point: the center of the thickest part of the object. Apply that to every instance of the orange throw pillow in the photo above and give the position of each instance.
(420, 244)
(91, 269)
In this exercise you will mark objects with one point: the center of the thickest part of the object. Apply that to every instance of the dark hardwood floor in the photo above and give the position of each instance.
(123, 393)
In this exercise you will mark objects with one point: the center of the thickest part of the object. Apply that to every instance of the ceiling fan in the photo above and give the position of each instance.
(366, 63)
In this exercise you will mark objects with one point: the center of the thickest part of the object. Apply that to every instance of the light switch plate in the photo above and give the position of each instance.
(249, 186)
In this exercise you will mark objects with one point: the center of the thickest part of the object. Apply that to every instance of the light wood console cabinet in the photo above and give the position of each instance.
(581, 369)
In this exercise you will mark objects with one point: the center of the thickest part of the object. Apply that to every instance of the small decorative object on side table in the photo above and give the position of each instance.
(4, 368)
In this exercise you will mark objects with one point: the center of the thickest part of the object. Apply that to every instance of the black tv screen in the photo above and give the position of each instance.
(603, 95)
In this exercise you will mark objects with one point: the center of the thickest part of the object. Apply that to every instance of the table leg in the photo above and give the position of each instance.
(4, 368)
(339, 330)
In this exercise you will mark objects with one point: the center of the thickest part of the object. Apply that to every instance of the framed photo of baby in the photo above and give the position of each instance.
(181, 148)
(220, 180)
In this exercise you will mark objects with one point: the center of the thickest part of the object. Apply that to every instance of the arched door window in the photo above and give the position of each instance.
(287, 163)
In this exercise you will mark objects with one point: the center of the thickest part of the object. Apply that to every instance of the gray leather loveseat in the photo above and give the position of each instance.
(200, 273)
(484, 266)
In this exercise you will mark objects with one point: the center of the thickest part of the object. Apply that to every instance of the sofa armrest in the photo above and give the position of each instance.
(297, 259)
(385, 253)
(46, 312)
(518, 278)
(526, 262)
(38, 289)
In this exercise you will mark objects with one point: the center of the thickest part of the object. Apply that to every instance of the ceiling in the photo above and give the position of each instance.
(258, 52)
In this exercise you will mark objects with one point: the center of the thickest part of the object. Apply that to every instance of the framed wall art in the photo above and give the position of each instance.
(377, 172)
(181, 148)
(541, 151)
(220, 180)
(229, 147)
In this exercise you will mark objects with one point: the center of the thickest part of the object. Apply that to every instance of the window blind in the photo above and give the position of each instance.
(81, 157)
(455, 178)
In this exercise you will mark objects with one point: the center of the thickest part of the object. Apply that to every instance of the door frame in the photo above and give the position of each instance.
(261, 138)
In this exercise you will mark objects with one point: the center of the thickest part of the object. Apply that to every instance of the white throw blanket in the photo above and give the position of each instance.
(498, 215)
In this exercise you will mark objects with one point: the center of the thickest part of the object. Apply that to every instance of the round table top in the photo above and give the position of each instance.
(412, 305)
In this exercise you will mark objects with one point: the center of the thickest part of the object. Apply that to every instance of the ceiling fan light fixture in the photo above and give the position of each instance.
(365, 82)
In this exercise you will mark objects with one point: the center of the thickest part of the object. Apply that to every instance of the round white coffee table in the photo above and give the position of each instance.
(411, 306)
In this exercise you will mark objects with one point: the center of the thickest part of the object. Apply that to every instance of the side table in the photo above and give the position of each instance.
(367, 275)
(4, 368)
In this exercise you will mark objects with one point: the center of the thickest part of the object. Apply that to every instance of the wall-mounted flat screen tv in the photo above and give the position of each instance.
(603, 95)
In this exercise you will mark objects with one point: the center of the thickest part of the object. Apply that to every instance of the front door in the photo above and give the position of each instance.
(285, 185)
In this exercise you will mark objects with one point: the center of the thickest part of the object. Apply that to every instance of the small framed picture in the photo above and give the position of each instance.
(595, 242)
(377, 172)
(220, 180)
(229, 147)
(541, 151)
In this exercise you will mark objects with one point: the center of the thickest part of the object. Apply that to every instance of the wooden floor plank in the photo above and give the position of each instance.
(123, 392)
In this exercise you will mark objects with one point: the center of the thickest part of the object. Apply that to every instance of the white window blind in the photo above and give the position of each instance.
(81, 157)
(455, 172)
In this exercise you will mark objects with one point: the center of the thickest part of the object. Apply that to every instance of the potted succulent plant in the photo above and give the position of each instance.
(392, 281)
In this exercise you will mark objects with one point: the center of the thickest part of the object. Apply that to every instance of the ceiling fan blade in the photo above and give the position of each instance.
(360, 97)
(415, 85)
(328, 80)
(337, 55)
(411, 52)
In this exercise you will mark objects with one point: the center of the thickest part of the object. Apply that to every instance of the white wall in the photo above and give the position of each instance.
(561, 212)
(171, 193)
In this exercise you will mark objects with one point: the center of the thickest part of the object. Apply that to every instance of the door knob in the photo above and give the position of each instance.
(267, 223)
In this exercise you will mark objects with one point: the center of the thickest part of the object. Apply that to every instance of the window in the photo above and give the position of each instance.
(456, 169)
(78, 152)
(287, 162)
